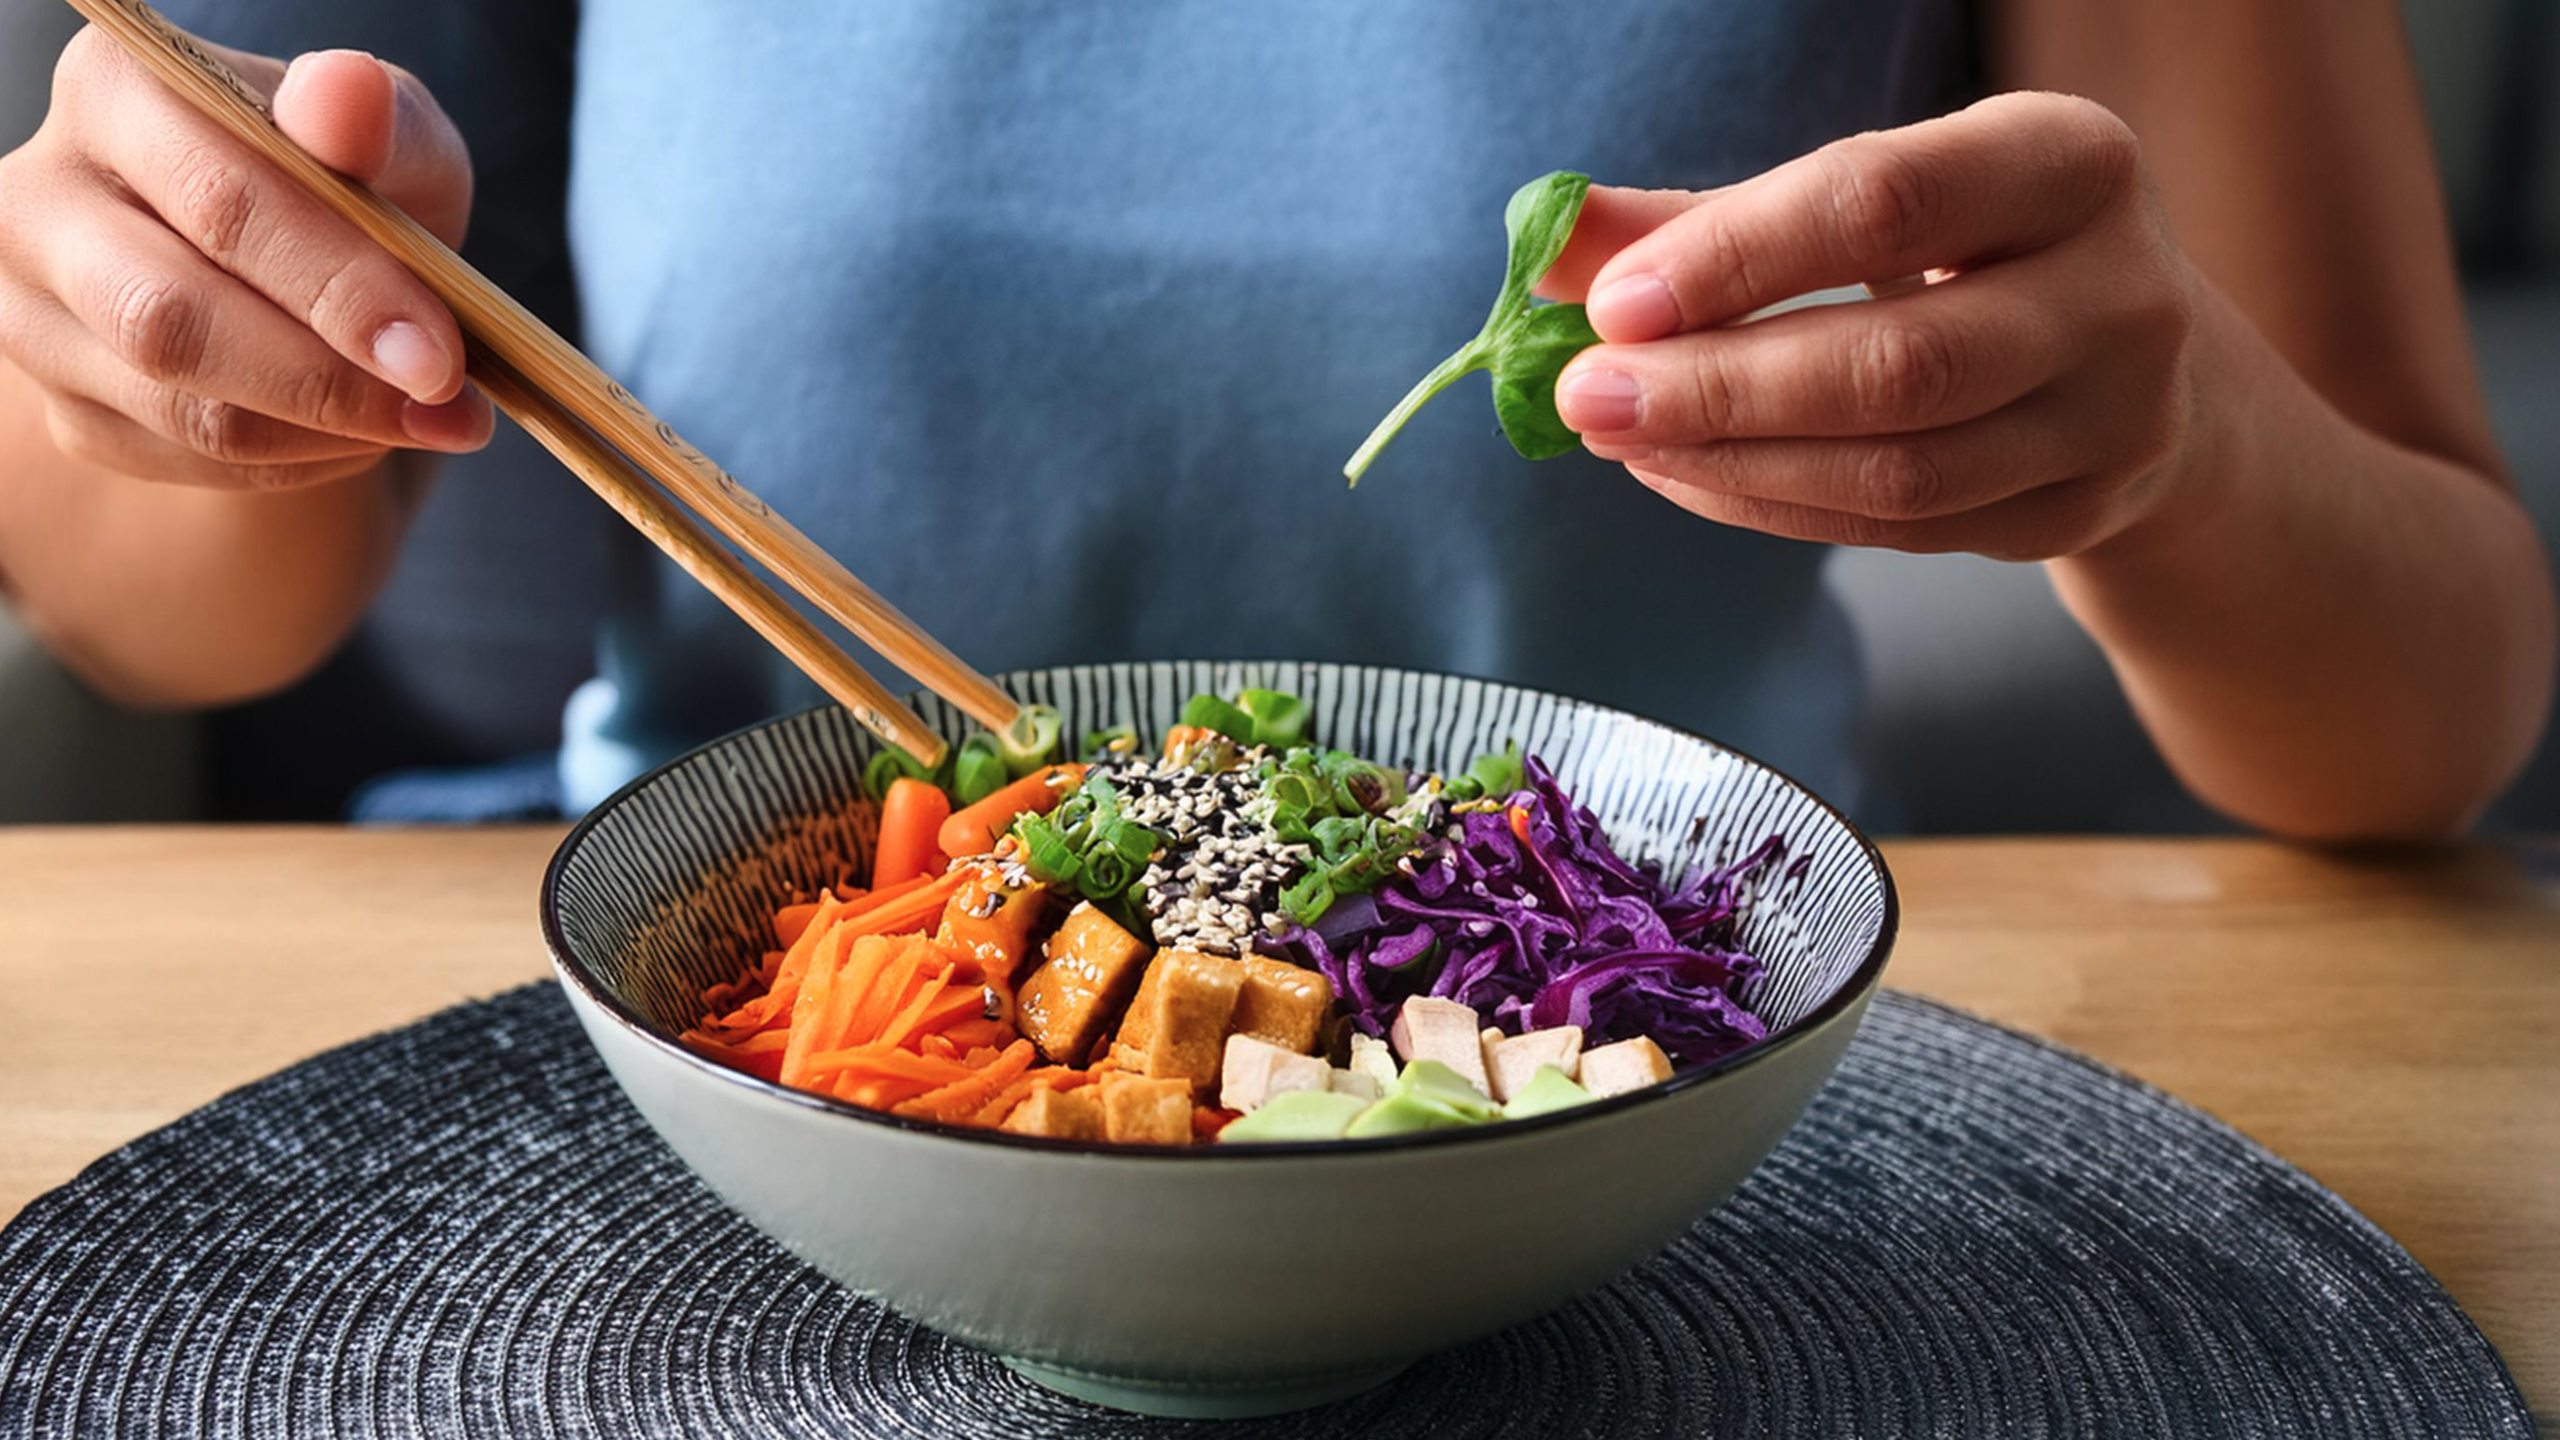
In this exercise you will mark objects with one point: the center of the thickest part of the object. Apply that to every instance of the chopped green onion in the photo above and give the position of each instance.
(978, 769)
(889, 766)
(1307, 898)
(1105, 872)
(1031, 741)
(1293, 791)
(1117, 740)
(1208, 712)
(1045, 852)
(1366, 787)
(1129, 840)
(1279, 720)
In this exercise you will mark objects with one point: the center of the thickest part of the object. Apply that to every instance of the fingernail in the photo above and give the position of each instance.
(1600, 401)
(458, 426)
(411, 359)
(1632, 309)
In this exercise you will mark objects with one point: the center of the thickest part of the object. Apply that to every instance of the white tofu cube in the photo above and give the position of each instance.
(1442, 1030)
(1627, 1065)
(1358, 1082)
(1371, 1057)
(1511, 1059)
(1255, 1070)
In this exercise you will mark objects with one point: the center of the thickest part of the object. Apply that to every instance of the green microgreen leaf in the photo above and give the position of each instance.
(1525, 344)
(1525, 368)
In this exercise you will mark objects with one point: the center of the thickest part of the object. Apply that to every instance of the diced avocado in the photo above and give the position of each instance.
(1547, 1090)
(1437, 1083)
(1402, 1114)
(1297, 1115)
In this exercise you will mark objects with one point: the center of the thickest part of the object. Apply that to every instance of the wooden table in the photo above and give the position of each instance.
(2390, 1024)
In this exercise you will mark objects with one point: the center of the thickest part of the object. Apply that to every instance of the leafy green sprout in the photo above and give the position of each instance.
(1524, 343)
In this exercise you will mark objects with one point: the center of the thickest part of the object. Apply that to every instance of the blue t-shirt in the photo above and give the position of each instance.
(1056, 322)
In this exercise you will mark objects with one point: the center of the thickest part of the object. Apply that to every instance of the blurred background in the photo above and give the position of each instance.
(1988, 710)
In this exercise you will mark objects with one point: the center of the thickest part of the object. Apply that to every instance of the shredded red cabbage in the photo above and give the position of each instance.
(1553, 929)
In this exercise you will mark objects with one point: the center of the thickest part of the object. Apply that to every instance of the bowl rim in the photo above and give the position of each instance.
(1854, 990)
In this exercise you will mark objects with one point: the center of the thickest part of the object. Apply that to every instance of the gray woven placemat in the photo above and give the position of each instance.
(460, 1229)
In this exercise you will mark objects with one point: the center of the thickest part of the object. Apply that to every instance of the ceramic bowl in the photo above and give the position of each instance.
(1219, 1280)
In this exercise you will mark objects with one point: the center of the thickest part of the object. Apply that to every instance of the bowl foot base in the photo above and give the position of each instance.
(1197, 1401)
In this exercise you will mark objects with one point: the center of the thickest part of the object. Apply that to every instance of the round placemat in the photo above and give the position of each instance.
(460, 1229)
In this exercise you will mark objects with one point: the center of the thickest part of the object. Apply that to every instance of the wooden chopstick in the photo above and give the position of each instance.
(705, 559)
(553, 367)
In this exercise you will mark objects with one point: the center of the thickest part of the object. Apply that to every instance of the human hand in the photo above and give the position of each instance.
(192, 315)
(2034, 399)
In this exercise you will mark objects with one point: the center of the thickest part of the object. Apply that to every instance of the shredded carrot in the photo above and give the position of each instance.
(961, 1098)
(791, 922)
(1051, 1078)
(914, 906)
(864, 1005)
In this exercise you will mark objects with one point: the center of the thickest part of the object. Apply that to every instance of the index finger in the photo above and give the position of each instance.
(2008, 175)
(1612, 219)
(257, 223)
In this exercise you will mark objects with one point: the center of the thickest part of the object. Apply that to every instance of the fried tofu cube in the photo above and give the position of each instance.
(1255, 1070)
(1371, 1057)
(1444, 1030)
(1177, 1025)
(1139, 1111)
(1509, 1060)
(1077, 992)
(1060, 1114)
(1626, 1065)
(1283, 1003)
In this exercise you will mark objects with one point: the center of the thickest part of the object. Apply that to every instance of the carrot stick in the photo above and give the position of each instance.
(962, 1097)
(817, 992)
(994, 1111)
(791, 922)
(889, 1062)
(916, 906)
(887, 989)
(973, 831)
(872, 957)
(759, 1055)
(910, 830)
(795, 960)
(904, 1023)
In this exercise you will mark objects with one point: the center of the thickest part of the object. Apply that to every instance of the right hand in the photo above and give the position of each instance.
(192, 315)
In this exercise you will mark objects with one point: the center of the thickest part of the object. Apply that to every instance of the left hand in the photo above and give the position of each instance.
(2035, 399)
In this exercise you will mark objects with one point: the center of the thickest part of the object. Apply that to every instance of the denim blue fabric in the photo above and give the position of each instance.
(1056, 322)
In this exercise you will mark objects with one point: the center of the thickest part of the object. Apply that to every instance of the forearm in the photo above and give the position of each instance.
(2329, 635)
(180, 596)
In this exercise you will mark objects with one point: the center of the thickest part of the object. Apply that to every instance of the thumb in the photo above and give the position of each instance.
(375, 122)
(1612, 219)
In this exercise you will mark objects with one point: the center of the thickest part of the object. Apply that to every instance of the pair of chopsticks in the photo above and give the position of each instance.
(595, 427)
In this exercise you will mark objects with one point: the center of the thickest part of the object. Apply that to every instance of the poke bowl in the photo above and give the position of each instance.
(1422, 1189)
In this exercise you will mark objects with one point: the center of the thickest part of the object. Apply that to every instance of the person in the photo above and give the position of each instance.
(1055, 321)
